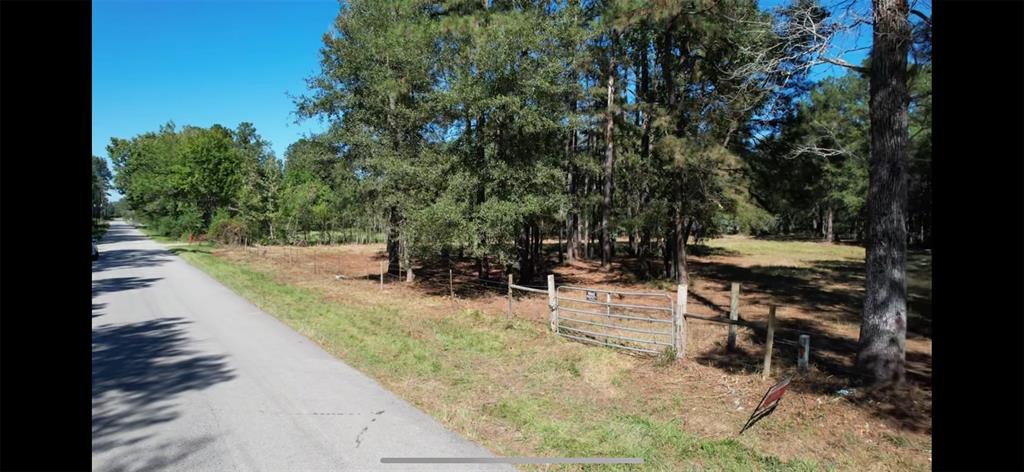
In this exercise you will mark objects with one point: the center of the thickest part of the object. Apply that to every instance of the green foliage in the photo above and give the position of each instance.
(226, 229)
(101, 178)
(818, 162)
(177, 180)
(481, 128)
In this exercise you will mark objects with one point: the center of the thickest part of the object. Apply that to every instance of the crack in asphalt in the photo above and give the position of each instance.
(359, 437)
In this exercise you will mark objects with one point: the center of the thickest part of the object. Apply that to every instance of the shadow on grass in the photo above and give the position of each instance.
(907, 408)
(826, 286)
(138, 369)
(703, 250)
(197, 249)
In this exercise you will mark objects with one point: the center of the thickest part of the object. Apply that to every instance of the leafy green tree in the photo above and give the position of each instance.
(178, 179)
(260, 175)
(101, 182)
(815, 170)
(376, 75)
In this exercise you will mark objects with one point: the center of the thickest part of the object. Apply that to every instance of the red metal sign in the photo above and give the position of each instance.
(768, 403)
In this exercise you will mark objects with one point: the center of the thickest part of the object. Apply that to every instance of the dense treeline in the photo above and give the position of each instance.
(483, 128)
(101, 177)
(487, 127)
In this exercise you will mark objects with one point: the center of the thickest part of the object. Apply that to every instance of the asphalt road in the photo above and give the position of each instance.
(187, 375)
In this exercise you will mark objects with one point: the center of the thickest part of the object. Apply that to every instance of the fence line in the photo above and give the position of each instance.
(288, 255)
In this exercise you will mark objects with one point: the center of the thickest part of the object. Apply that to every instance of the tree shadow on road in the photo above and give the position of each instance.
(117, 284)
(166, 455)
(130, 258)
(137, 369)
(121, 235)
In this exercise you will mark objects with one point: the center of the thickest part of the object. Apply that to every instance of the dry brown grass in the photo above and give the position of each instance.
(710, 394)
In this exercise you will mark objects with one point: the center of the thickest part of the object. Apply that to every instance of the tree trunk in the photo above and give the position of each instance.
(882, 351)
(393, 243)
(524, 252)
(572, 235)
(688, 224)
(829, 237)
(560, 231)
(679, 249)
(538, 249)
(645, 243)
(609, 165)
(585, 226)
(668, 248)
(407, 260)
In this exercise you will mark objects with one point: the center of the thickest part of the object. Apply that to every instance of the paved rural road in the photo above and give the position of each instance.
(189, 376)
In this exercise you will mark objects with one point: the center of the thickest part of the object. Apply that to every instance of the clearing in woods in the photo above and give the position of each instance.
(519, 390)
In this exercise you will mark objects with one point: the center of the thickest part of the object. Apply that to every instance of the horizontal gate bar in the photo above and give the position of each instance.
(622, 305)
(624, 338)
(623, 317)
(608, 343)
(663, 333)
(637, 294)
(528, 289)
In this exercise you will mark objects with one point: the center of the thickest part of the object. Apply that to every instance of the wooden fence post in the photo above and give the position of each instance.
(804, 352)
(510, 296)
(679, 320)
(608, 301)
(768, 343)
(552, 303)
(451, 287)
(734, 315)
(382, 275)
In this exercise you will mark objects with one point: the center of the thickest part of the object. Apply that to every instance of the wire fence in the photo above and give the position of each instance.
(616, 324)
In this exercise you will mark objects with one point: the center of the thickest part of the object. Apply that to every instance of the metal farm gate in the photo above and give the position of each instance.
(635, 321)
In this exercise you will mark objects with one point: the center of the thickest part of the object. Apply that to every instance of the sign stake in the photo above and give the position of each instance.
(768, 343)
(734, 314)
(509, 296)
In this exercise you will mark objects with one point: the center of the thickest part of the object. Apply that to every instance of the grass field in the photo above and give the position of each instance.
(519, 391)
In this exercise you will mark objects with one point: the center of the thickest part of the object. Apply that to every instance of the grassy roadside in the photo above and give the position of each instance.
(512, 388)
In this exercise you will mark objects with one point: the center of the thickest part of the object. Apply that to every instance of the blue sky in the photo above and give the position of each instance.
(201, 63)
(204, 62)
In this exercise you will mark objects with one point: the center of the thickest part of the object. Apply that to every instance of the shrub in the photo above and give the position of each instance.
(227, 229)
